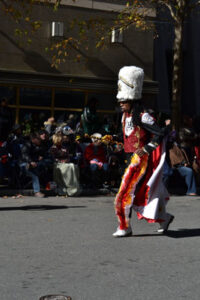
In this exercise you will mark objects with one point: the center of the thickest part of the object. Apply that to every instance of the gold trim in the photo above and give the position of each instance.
(35, 107)
(126, 82)
(67, 109)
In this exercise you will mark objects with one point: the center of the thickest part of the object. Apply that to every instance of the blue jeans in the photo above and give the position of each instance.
(34, 176)
(98, 176)
(188, 174)
(94, 167)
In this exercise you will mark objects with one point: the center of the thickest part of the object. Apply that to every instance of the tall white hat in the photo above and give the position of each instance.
(130, 83)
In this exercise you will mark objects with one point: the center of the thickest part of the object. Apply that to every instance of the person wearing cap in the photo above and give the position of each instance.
(95, 157)
(141, 187)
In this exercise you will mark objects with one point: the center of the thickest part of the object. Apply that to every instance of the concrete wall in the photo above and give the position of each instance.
(137, 48)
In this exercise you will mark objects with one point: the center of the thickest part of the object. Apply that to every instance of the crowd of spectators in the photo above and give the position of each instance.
(61, 155)
(74, 153)
(182, 164)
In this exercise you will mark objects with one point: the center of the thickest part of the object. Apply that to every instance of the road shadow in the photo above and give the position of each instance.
(39, 207)
(177, 234)
(183, 233)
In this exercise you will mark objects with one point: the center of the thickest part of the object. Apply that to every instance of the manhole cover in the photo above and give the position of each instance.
(55, 297)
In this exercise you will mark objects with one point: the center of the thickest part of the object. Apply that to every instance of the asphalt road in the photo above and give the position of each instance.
(65, 246)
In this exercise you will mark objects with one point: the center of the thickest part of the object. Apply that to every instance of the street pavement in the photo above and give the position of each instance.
(64, 246)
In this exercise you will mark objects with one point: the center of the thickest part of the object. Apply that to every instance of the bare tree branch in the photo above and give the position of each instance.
(169, 6)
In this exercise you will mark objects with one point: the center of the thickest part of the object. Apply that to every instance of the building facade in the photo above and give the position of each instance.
(33, 86)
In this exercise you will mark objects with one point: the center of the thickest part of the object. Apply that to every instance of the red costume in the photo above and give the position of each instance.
(146, 201)
(141, 187)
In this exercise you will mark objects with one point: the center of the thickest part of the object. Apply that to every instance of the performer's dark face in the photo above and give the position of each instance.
(125, 106)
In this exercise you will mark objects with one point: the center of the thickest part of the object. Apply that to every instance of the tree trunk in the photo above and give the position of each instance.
(177, 76)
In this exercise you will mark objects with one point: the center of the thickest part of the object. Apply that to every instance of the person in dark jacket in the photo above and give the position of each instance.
(31, 161)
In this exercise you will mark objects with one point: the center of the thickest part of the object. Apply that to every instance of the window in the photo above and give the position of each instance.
(44, 102)
(8, 92)
(35, 97)
(69, 99)
(105, 101)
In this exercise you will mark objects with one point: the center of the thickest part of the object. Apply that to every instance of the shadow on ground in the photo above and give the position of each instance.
(183, 233)
(180, 233)
(39, 207)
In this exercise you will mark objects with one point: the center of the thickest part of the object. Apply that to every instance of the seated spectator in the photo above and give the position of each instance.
(73, 148)
(72, 121)
(50, 126)
(4, 162)
(116, 164)
(95, 157)
(80, 141)
(15, 142)
(31, 162)
(47, 160)
(196, 163)
(196, 153)
(15, 139)
(178, 160)
(65, 173)
(187, 139)
(114, 174)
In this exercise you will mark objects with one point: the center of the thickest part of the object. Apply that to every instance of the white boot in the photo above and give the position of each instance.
(123, 232)
(164, 225)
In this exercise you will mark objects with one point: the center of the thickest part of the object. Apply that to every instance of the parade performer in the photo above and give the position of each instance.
(141, 187)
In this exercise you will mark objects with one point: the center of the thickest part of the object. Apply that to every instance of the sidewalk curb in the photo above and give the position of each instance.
(51, 193)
